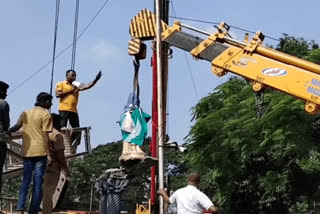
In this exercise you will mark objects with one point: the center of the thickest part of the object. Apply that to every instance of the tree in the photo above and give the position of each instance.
(85, 172)
(266, 165)
(299, 47)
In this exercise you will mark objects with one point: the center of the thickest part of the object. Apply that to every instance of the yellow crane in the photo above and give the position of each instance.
(263, 66)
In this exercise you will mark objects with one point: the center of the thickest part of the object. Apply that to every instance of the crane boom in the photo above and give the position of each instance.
(265, 67)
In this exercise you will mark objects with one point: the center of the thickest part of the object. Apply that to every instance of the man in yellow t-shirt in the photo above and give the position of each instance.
(68, 92)
(37, 124)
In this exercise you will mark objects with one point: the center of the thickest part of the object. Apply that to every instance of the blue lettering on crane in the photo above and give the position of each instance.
(314, 87)
(313, 91)
(315, 82)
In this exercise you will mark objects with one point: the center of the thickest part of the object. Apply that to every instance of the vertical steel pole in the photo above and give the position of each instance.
(160, 103)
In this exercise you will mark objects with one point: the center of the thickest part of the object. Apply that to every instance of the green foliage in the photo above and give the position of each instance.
(248, 165)
(251, 165)
(254, 165)
(246, 160)
(299, 47)
(314, 55)
(86, 171)
(293, 46)
(11, 186)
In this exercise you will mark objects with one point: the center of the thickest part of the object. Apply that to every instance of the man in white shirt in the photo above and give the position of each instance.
(190, 200)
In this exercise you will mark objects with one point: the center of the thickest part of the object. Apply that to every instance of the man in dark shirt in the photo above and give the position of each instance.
(4, 125)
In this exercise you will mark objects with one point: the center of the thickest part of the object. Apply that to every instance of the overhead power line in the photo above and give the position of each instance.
(217, 23)
(64, 50)
(188, 64)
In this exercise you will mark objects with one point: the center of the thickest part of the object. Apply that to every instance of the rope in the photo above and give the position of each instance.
(56, 24)
(60, 53)
(75, 31)
(136, 88)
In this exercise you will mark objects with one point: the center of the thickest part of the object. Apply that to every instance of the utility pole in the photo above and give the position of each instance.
(160, 103)
(164, 48)
(161, 9)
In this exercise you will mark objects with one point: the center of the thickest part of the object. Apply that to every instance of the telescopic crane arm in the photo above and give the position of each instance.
(265, 67)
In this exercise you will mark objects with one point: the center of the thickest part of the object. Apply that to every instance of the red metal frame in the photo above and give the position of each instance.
(153, 145)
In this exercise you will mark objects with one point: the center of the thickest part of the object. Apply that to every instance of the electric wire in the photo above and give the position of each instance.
(217, 23)
(188, 64)
(75, 31)
(191, 75)
(173, 10)
(63, 51)
(56, 24)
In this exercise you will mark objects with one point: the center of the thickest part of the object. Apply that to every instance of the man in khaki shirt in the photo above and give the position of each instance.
(36, 124)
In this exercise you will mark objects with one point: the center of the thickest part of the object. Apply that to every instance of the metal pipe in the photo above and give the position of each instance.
(291, 60)
(195, 29)
(229, 40)
(160, 103)
(267, 52)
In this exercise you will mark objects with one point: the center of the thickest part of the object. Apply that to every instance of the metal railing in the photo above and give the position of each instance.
(14, 163)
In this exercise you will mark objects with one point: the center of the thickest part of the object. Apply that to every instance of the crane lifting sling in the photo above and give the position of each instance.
(265, 67)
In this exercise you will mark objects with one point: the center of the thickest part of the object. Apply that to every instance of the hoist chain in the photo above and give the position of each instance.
(260, 104)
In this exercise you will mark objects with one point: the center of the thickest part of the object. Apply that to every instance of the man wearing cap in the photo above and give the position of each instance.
(190, 200)
(68, 92)
(37, 124)
(4, 125)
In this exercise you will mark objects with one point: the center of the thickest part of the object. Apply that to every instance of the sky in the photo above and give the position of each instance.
(27, 45)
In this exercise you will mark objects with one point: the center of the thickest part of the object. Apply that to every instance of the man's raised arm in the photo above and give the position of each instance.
(91, 84)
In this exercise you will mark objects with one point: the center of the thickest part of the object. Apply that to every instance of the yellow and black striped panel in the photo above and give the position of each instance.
(143, 25)
(134, 46)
